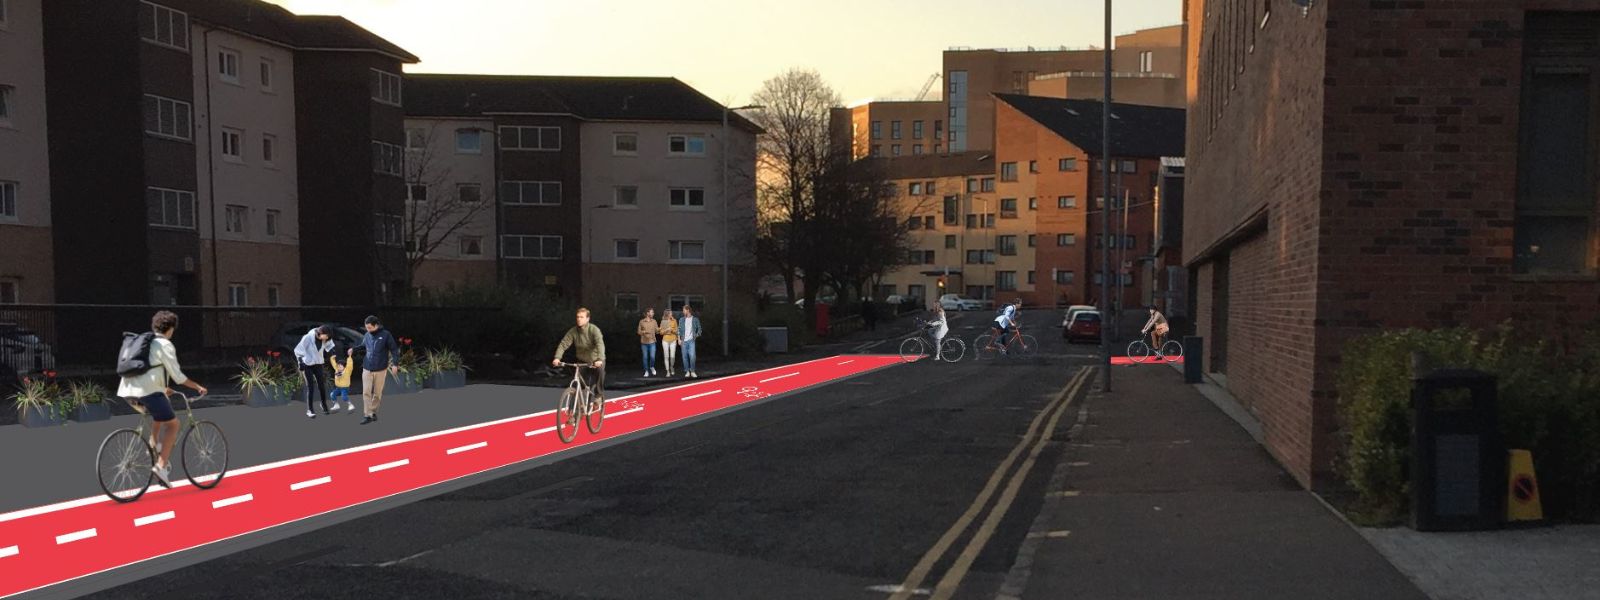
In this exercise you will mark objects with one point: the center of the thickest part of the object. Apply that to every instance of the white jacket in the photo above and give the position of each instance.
(163, 373)
(308, 352)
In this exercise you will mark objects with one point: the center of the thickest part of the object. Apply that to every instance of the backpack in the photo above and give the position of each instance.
(134, 359)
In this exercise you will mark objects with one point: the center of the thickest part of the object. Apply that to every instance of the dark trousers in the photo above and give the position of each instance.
(316, 378)
(595, 378)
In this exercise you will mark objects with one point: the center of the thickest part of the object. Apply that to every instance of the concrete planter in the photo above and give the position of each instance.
(403, 384)
(34, 416)
(448, 380)
(93, 411)
(265, 396)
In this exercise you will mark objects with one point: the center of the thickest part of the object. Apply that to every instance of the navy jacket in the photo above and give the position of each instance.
(381, 347)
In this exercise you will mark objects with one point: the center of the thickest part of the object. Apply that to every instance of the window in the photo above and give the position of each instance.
(877, 149)
(988, 221)
(625, 144)
(234, 218)
(686, 145)
(1008, 208)
(1006, 245)
(938, 128)
(387, 158)
(1146, 62)
(542, 193)
(916, 149)
(626, 196)
(914, 223)
(534, 247)
(1008, 172)
(417, 192)
(988, 184)
(1005, 281)
(530, 138)
(1033, 204)
(895, 131)
(238, 294)
(163, 26)
(228, 65)
(686, 251)
(416, 138)
(928, 188)
(627, 249)
(5, 101)
(232, 140)
(468, 141)
(915, 189)
(170, 208)
(269, 147)
(1065, 277)
(166, 117)
(972, 221)
(1067, 164)
(1066, 239)
(469, 193)
(265, 74)
(1066, 202)
(274, 295)
(894, 150)
(1128, 166)
(937, 148)
(950, 241)
(1128, 242)
(272, 222)
(980, 257)
(386, 229)
(628, 301)
(1033, 166)
(916, 130)
(386, 87)
(916, 290)
(972, 185)
(951, 206)
(8, 199)
(1033, 240)
(1554, 229)
(677, 301)
(471, 245)
(1031, 278)
(687, 198)
(3, 14)
(927, 222)
(877, 130)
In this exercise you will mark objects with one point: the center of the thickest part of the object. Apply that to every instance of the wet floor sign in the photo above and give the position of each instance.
(1522, 490)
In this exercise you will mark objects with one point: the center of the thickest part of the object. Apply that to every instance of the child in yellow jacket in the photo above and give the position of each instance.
(342, 371)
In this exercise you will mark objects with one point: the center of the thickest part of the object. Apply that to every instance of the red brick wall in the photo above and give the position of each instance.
(1021, 139)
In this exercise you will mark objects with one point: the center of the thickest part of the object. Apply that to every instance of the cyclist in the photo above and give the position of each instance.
(1007, 322)
(590, 346)
(1157, 325)
(937, 328)
(151, 389)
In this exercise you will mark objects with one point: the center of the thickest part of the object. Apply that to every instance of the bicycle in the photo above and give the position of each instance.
(1140, 350)
(591, 410)
(125, 463)
(952, 349)
(1029, 345)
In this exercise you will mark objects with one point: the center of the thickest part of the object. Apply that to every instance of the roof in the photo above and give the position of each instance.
(597, 98)
(301, 32)
(1136, 130)
(930, 166)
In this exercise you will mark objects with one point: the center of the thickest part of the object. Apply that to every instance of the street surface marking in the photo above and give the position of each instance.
(701, 395)
(631, 410)
(234, 500)
(466, 448)
(1049, 534)
(75, 536)
(156, 518)
(848, 362)
(1066, 494)
(539, 432)
(1078, 464)
(779, 377)
(389, 465)
(8, 551)
(312, 483)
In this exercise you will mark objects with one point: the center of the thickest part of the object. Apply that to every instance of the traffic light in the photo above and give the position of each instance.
(941, 284)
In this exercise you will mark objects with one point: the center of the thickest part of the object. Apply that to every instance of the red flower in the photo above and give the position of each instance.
(406, 341)
(27, 381)
(49, 374)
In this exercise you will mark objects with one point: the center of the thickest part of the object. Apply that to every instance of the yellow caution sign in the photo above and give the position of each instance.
(1522, 491)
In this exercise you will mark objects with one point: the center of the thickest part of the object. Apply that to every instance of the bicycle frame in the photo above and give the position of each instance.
(185, 421)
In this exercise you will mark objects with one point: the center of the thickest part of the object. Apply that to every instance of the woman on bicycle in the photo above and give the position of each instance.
(150, 389)
(938, 327)
(1157, 323)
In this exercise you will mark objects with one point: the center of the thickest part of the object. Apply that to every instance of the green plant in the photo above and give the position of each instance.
(41, 395)
(286, 380)
(83, 392)
(257, 374)
(443, 360)
(414, 369)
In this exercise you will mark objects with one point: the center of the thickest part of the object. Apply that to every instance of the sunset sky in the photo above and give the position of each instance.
(726, 48)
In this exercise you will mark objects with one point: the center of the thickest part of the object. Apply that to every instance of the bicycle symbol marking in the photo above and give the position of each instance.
(752, 392)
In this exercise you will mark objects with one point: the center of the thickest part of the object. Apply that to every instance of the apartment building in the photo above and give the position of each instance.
(890, 129)
(26, 271)
(949, 204)
(258, 161)
(452, 201)
(609, 189)
(1426, 167)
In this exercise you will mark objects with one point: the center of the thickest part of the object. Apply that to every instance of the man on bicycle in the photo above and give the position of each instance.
(1006, 323)
(590, 346)
(1156, 324)
(151, 389)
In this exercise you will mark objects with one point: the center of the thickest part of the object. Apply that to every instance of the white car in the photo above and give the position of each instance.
(23, 350)
(1072, 310)
(894, 299)
(957, 302)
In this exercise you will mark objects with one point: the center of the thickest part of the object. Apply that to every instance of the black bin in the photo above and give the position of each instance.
(1458, 463)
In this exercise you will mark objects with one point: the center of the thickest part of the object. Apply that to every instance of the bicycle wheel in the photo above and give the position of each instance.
(205, 454)
(125, 465)
(952, 350)
(912, 349)
(567, 415)
(1172, 351)
(1030, 346)
(982, 347)
(596, 413)
(1138, 351)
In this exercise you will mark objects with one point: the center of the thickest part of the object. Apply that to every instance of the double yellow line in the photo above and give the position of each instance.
(1037, 437)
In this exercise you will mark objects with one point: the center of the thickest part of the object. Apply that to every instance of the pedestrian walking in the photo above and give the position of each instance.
(647, 340)
(869, 314)
(383, 354)
(147, 389)
(669, 340)
(343, 372)
(689, 332)
(309, 354)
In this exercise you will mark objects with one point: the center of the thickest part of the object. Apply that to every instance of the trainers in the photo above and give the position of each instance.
(350, 407)
(161, 476)
(310, 414)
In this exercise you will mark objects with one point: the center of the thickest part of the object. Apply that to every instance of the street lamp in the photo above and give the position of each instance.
(726, 263)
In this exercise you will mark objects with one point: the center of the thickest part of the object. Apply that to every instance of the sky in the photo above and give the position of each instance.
(727, 48)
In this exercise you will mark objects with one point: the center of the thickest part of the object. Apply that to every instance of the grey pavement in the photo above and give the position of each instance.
(1560, 562)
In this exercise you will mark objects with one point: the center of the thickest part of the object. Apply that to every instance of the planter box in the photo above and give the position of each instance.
(261, 397)
(394, 386)
(93, 411)
(448, 380)
(38, 417)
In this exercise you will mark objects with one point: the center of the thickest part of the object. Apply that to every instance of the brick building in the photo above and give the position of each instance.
(1360, 166)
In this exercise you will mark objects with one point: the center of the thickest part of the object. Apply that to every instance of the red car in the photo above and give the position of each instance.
(1085, 325)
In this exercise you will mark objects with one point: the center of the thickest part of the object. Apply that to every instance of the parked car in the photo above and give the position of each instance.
(288, 335)
(958, 302)
(1085, 325)
(1066, 319)
(895, 299)
(826, 300)
(23, 350)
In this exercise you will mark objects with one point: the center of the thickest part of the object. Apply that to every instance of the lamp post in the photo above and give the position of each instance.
(725, 258)
(1105, 212)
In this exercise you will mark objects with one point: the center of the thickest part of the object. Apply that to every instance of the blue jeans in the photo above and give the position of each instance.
(340, 393)
(688, 356)
(649, 352)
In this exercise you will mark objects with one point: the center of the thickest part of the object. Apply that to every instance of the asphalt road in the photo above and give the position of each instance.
(834, 492)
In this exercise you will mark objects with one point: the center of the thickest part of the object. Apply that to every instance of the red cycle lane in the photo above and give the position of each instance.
(52, 545)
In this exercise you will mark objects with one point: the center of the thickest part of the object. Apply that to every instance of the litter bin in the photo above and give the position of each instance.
(1458, 464)
(822, 320)
(776, 339)
(1193, 362)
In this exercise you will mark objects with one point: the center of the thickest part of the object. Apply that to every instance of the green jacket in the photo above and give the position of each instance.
(591, 345)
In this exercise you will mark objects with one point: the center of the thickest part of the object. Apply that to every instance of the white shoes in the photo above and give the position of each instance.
(161, 475)
(350, 407)
(310, 414)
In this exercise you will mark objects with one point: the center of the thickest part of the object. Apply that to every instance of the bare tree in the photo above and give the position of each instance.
(868, 223)
(438, 207)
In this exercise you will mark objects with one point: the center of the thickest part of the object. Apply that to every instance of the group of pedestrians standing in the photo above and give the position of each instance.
(672, 333)
(315, 354)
